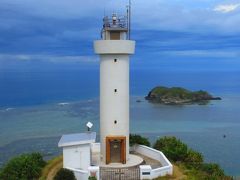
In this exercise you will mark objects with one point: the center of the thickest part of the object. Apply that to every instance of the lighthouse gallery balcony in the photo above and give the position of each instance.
(114, 47)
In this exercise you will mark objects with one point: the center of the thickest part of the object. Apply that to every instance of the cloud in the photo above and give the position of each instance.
(48, 58)
(226, 8)
(203, 53)
(195, 16)
(63, 32)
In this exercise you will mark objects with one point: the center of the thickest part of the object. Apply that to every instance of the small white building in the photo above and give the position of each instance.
(80, 152)
(77, 152)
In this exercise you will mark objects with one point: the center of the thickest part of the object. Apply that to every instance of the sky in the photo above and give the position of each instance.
(170, 34)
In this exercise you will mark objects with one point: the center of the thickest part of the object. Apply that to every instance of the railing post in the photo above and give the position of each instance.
(145, 172)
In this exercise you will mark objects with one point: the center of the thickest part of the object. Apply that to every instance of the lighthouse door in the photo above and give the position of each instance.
(116, 149)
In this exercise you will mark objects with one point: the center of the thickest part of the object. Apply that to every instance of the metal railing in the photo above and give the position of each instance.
(131, 173)
(115, 22)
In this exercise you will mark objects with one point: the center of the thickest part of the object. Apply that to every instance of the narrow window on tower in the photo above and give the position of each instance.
(115, 60)
(115, 122)
(115, 90)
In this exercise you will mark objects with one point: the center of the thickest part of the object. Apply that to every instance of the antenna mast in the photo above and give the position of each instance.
(129, 20)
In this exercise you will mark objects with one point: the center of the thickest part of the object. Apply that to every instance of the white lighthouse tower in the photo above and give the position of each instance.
(114, 50)
(112, 160)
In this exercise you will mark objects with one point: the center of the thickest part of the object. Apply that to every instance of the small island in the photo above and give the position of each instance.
(178, 96)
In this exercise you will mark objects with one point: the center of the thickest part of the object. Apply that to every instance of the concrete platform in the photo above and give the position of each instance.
(133, 160)
(149, 161)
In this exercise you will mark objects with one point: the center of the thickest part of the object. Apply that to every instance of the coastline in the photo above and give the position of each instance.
(71, 118)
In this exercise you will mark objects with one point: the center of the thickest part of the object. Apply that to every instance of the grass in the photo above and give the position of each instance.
(52, 168)
(178, 174)
(181, 172)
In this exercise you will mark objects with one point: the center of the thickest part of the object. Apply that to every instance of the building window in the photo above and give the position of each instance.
(115, 90)
(115, 122)
(115, 60)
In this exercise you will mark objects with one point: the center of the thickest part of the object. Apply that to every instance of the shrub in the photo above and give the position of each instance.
(173, 148)
(213, 169)
(92, 178)
(137, 139)
(26, 166)
(64, 174)
(177, 151)
(194, 158)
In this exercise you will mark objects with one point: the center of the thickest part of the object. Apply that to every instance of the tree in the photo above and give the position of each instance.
(64, 174)
(137, 139)
(173, 148)
(25, 166)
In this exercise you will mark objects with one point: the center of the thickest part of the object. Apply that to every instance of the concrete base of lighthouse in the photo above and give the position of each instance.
(132, 161)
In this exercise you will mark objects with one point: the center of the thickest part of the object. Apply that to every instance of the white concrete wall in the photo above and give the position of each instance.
(95, 151)
(114, 105)
(157, 155)
(77, 157)
(162, 171)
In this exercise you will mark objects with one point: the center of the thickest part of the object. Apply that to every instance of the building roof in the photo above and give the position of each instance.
(77, 139)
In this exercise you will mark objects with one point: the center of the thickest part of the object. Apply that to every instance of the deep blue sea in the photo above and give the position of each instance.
(37, 107)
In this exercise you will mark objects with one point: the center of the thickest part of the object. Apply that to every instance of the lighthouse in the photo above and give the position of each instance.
(110, 159)
(114, 50)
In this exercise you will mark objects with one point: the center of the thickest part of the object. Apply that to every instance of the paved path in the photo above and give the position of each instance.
(149, 161)
(54, 170)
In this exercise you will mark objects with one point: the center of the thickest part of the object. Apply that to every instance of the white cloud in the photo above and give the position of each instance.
(203, 53)
(175, 15)
(226, 8)
(49, 58)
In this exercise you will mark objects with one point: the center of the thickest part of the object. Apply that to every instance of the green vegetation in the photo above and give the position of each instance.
(64, 174)
(92, 178)
(188, 164)
(190, 161)
(178, 95)
(25, 166)
(137, 139)
(176, 150)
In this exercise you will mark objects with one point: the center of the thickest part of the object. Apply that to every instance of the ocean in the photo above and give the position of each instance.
(37, 107)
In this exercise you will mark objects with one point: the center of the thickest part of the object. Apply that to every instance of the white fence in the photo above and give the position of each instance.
(166, 168)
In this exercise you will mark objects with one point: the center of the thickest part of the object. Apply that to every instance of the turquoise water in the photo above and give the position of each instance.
(36, 123)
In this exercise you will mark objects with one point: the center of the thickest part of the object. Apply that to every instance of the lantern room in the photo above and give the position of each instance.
(115, 27)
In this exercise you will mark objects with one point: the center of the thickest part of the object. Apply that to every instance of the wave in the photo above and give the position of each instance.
(6, 110)
(63, 104)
